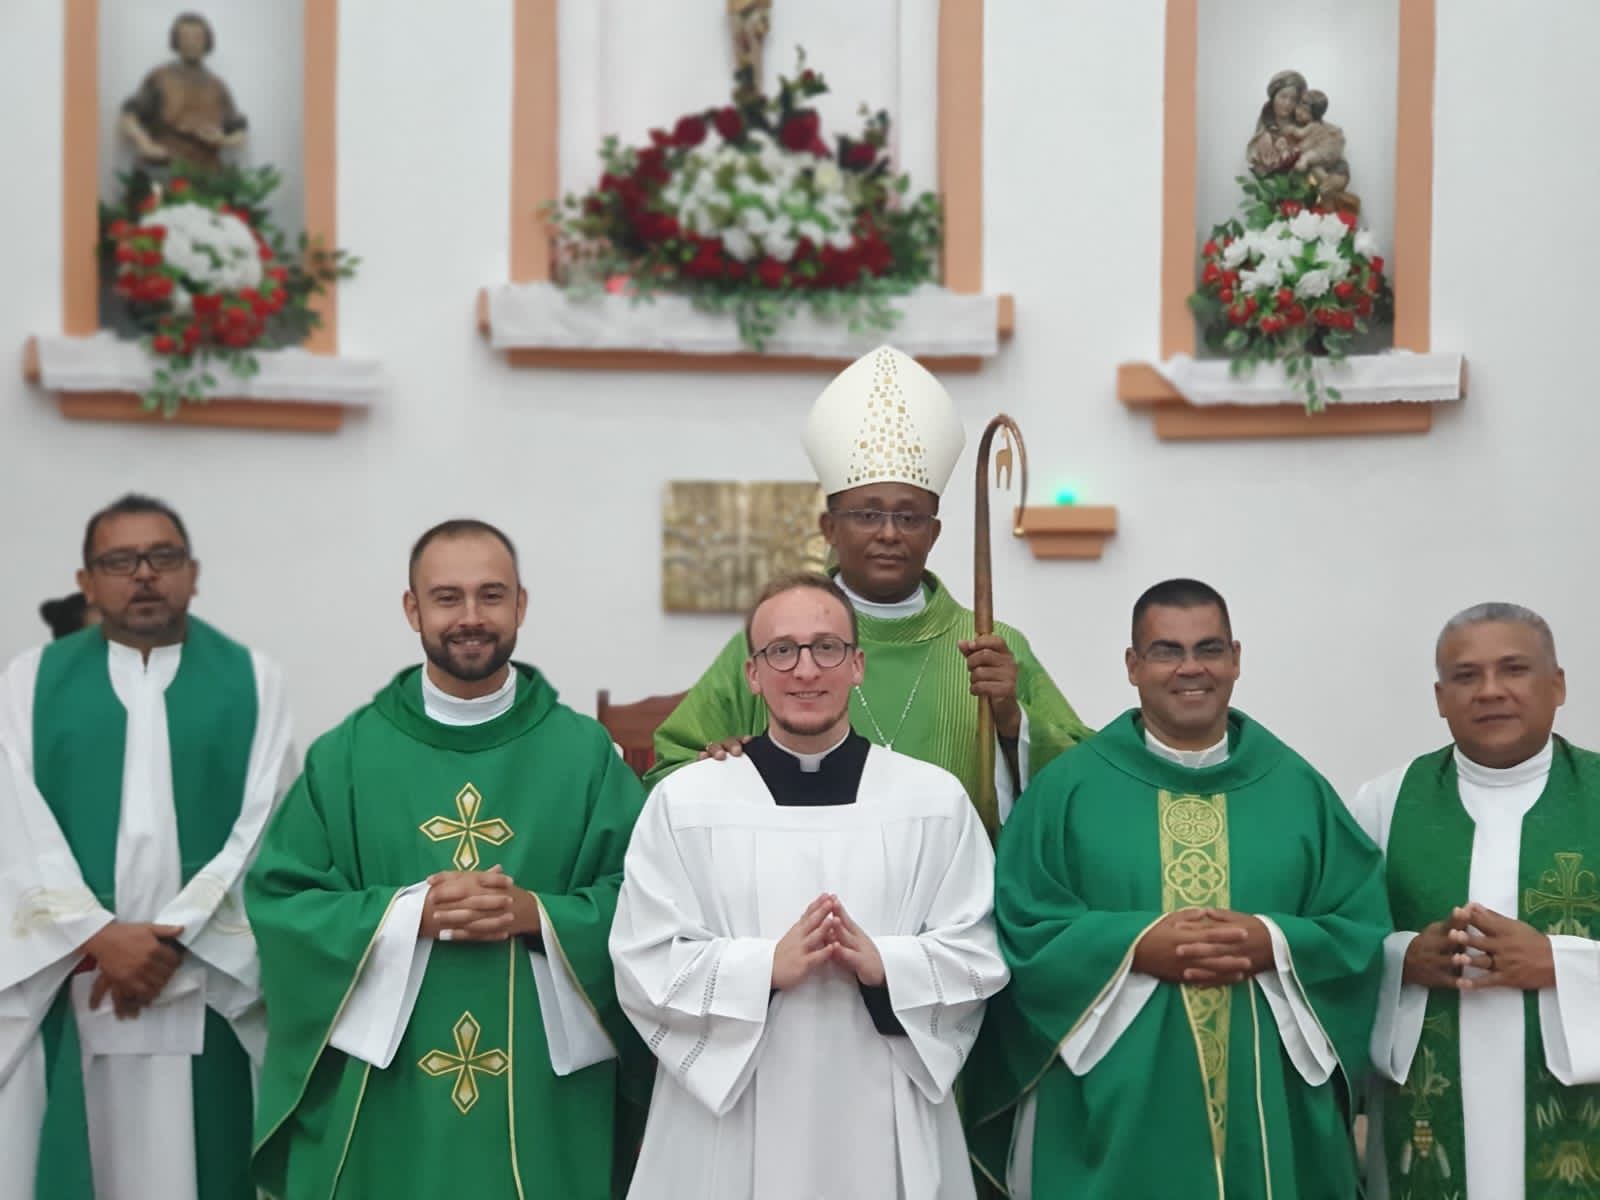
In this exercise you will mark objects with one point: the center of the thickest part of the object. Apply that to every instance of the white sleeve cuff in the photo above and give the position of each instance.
(572, 1030)
(379, 1008)
(1567, 1011)
(1108, 1020)
(1401, 1008)
(1005, 794)
(1299, 1030)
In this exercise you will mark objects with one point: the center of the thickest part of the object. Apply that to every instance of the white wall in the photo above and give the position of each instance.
(1341, 558)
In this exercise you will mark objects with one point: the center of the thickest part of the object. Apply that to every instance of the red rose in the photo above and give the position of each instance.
(149, 203)
(1237, 314)
(237, 339)
(876, 257)
(1344, 289)
(281, 274)
(150, 258)
(1290, 208)
(1295, 315)
(159, 287)
(858, 156)
(127, 284)
(178, 186)
(690, 131)
(1226, 294)
(158, 232)
(1364, 306)
(652, 167)
(126, 255)
(1231, 278)
(1211, 274)
(207, 305)
(1285, 297)
(1372, 284)
(800, 131)
(1349, 219)
(707, 262)
(1272, 324)
(1250, 304)
(118, 228)
(770, 272)
(1209, 249)
(276, 299)
(728, 122)
(163, 344)
(660, 138)
(1376, 262)
(265, 251)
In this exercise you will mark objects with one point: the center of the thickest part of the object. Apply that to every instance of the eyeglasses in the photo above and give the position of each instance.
(162, 559)
(865, 519)
(784, 654)
(1169, 654)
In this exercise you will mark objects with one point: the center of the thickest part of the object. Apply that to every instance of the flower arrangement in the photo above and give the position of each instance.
(1292, 282)
(747, 209)
(206, 278)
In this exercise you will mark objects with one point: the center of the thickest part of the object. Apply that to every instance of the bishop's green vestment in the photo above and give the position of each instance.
(1197, 1096)
(915, 698)
(469, 1105)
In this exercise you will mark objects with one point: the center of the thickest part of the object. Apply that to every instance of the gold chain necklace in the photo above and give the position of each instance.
(888, 742)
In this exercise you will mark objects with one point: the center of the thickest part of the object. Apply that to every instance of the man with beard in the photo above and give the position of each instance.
(805, 939)
(884, 437)
(432, 907)
(1194, 926)
(149, 752)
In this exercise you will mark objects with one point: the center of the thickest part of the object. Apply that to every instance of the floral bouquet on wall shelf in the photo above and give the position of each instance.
(207, 279)
(747, 209)
(1292, 282)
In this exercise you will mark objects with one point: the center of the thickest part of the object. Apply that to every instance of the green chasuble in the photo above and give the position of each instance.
(1198, 1096)
(916, 697)
(79, 739)
(470, 1105)
(1430, 858)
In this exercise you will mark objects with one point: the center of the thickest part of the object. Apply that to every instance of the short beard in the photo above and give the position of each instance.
(158, 632)
(813, 727)
(440, 655)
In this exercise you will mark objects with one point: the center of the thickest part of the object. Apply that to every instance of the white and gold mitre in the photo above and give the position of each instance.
(884, 419)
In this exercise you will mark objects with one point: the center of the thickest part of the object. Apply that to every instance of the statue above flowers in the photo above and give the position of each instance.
(1291, 136)
(182, 112)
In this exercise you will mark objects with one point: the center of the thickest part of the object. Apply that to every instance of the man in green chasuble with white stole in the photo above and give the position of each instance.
(884, 437)
(432, 906)
(1488, 1031)
(146, 755)
(1194, 927)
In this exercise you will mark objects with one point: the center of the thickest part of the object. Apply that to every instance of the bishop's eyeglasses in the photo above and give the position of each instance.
(784, 654)
(866, 519)
(162, 560)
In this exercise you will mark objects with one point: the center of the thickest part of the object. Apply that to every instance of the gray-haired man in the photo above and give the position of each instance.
(1486, 1038)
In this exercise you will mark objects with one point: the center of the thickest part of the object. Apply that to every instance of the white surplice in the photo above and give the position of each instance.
(797, 1096)
(1299, 1031)
(379, 1008)
(1492, 1021)
(137, 1086)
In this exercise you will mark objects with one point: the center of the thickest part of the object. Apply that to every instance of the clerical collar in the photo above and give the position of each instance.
(1193, 759)
(453, 710)
(909, 607)
(1526, 771)
(833, 780)
(808, 762)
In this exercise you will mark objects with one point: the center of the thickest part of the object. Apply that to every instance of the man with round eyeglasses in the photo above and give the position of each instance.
(804, 939)
(884, 437)
(148, 753)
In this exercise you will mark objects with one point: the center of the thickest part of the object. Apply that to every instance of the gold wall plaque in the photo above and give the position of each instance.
(722, 541)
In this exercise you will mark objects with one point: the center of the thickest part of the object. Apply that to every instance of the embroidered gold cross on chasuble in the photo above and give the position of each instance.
(468, 829)
(465, 1063)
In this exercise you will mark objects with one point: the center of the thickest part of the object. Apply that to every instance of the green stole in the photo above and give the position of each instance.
(1430, 854)
(79, 740)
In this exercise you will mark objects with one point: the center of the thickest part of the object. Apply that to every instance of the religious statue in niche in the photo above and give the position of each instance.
(748, 209)
(194, 263)
(1294, 281)
(182, 111)
(721, 542)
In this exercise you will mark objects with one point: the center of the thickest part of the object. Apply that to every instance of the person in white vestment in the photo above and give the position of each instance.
(142, 760)
(805, 940)
(1487, 1041)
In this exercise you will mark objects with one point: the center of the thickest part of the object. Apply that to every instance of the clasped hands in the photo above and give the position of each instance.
(136, 960)
(1505, 952)
(477, 906)
(1204, 947)
(825, 933)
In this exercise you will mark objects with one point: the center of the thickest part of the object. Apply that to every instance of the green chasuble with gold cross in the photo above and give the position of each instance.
(1197, 1096)
(470, 1104)
(916, 697)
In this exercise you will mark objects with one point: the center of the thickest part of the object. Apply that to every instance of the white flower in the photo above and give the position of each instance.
(1332, 229)
(739, 244)
(1276, 247)
(1235, 252)
(1307, 225)
(781, 245)
(810, 230)
(212, 250)
(1268, 275)
(828, 177)
(841, 238)
(1312, 284)
(1366, 243)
